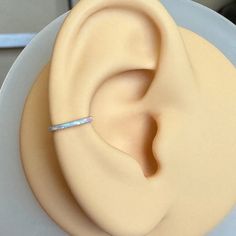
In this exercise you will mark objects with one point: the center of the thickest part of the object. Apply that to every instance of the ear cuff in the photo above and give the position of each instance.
(70, 124)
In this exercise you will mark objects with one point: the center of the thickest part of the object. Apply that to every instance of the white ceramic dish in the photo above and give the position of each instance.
(20, 213)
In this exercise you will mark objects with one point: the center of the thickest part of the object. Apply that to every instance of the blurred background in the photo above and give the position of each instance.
(21, 20)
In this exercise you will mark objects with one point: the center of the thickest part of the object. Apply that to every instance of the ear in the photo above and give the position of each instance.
(124, 63)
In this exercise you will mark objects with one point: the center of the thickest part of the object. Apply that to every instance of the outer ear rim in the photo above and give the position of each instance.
(86, 10)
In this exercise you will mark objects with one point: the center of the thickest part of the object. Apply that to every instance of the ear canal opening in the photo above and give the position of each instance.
(121, 120)
(150, 165)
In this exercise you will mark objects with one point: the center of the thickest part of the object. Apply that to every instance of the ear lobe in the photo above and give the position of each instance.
(96, 44)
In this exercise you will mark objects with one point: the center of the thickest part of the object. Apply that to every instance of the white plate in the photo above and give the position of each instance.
(20, 213)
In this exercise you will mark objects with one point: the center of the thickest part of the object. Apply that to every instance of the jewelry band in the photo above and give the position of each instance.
(81, 121)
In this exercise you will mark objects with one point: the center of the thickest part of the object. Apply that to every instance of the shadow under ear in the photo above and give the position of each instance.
(121, 120)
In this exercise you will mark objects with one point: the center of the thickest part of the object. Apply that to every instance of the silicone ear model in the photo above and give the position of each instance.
(159, 156)
(111, 57)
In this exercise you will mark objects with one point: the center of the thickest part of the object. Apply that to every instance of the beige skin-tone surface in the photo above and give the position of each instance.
(160, 155)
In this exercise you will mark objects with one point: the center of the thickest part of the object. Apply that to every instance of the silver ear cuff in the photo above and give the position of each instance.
(70, 124)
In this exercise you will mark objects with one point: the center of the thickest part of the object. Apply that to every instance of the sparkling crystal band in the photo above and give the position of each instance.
(81, 121)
